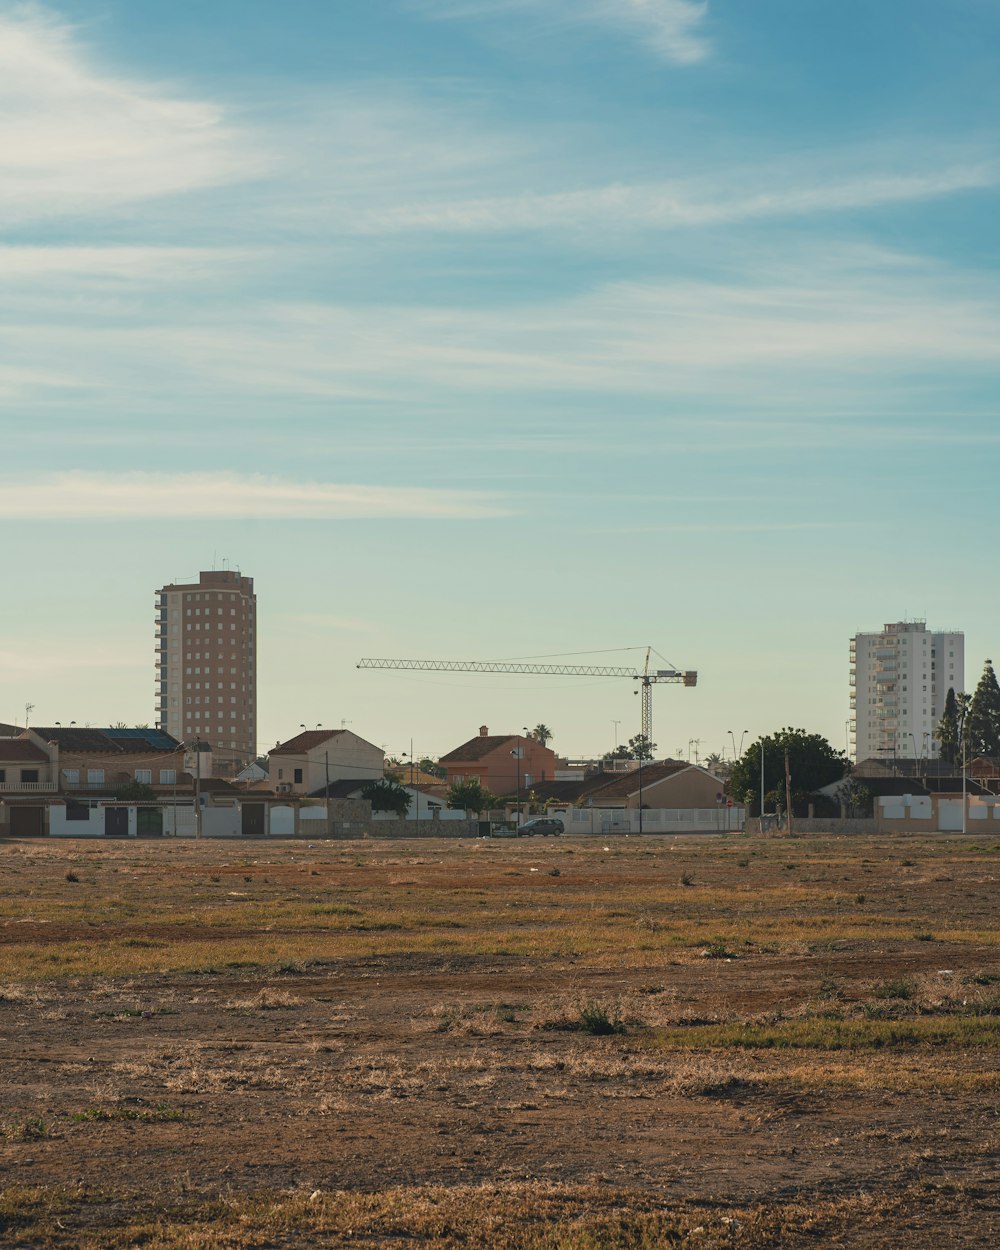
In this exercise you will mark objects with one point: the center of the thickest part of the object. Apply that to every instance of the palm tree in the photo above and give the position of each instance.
(541, 733)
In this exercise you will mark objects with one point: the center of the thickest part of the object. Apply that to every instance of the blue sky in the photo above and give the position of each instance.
(498, 328)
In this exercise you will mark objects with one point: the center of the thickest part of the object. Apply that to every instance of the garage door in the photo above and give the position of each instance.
(27, 822)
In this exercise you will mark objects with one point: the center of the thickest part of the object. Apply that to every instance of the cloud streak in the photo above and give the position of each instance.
(75, 139)
(82, 495)
(673, 29)
(675, 205)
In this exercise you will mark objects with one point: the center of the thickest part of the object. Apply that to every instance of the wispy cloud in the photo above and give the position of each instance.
(82, 495)
(673, 29)
(740, 196)
(76, 139)
(138, 264)
(846, 319)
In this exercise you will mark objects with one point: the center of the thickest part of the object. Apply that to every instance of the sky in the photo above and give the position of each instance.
(489, 329)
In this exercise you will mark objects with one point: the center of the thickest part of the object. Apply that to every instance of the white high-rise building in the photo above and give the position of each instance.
(899, 682)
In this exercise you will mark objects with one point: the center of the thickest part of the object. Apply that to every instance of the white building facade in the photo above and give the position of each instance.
(900, 679)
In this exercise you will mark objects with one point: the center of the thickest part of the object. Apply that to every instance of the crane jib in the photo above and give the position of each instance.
(646, 679)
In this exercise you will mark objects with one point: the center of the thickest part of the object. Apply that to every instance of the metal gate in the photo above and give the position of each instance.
(116, 822)
(252, 820)
(27, 822)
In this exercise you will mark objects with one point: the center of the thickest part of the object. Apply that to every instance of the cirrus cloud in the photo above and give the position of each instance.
(96, 496)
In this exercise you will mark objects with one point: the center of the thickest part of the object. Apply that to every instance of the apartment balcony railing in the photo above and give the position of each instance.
(28, 787)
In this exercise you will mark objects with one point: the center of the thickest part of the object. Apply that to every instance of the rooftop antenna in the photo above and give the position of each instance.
(28, 709)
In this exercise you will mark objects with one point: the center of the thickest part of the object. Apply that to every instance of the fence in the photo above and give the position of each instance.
(654, 820)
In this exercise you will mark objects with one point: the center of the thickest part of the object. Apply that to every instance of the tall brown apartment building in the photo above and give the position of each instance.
(206, 664)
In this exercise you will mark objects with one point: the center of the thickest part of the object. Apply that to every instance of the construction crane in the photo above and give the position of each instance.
(646, 677)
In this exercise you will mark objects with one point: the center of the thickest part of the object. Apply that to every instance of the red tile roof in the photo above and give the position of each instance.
(304, 742)
(476, 748)
(21, 749)
(628, 783)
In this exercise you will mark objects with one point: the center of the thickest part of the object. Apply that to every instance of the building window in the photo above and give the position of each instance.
(71, 776)
(77, 811)
(168, 776)
(298, 775)
(144, 775)
(281, 773)
(95, 776)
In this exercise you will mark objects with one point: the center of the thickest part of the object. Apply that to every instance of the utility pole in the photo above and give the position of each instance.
(640, 790)
(788, 792)
(326, 792)
(197, 788)
(762, 785)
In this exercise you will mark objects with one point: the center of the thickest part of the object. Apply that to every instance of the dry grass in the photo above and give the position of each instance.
(382, 1029)
(526, 1216)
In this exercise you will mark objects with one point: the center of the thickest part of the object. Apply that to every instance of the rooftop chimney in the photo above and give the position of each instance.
(484, 731)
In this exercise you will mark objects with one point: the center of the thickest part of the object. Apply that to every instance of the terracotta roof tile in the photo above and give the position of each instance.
(476, 748)
(21, 749)
(305, 741)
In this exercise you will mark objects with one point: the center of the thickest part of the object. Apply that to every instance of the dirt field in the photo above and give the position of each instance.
(562, 1044)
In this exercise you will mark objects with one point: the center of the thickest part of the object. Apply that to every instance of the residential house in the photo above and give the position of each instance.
(316, 757)
(57, 779)
(501, 763)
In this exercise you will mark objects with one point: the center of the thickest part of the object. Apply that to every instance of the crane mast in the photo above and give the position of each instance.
(645, 676)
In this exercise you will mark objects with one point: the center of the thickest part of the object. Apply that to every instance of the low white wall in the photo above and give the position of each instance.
(654, 819)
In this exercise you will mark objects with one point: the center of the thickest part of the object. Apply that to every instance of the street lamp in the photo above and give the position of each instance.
(738, 754)
(517, 753)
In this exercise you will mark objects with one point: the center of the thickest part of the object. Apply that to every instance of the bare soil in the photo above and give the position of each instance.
(564, 1043)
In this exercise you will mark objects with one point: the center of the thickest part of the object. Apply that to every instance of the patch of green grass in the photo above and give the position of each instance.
(34, 1129)
(826, 1033)
(898, 988)
(160, 1114)
(718, 949)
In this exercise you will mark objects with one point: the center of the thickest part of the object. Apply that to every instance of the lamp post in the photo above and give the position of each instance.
(642, 746)
(965, 761)
(762, 784)
(738, 754)
(516, 753)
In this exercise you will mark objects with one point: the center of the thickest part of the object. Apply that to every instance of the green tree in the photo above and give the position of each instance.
(948, 731)
(135, 792)
(387, 796)
(469, 796)
(813, 763)
(432, 768)
(857, 798)
(541, 733)
(983, 724)
(640, 747)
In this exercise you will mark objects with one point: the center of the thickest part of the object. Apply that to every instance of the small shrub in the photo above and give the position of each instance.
(859, 898)
(687, 878)
(718, 950)
(900, 988)
(601, 1020)
(924, 937)
(744, 862)
(27, 1130)
(71, 876)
